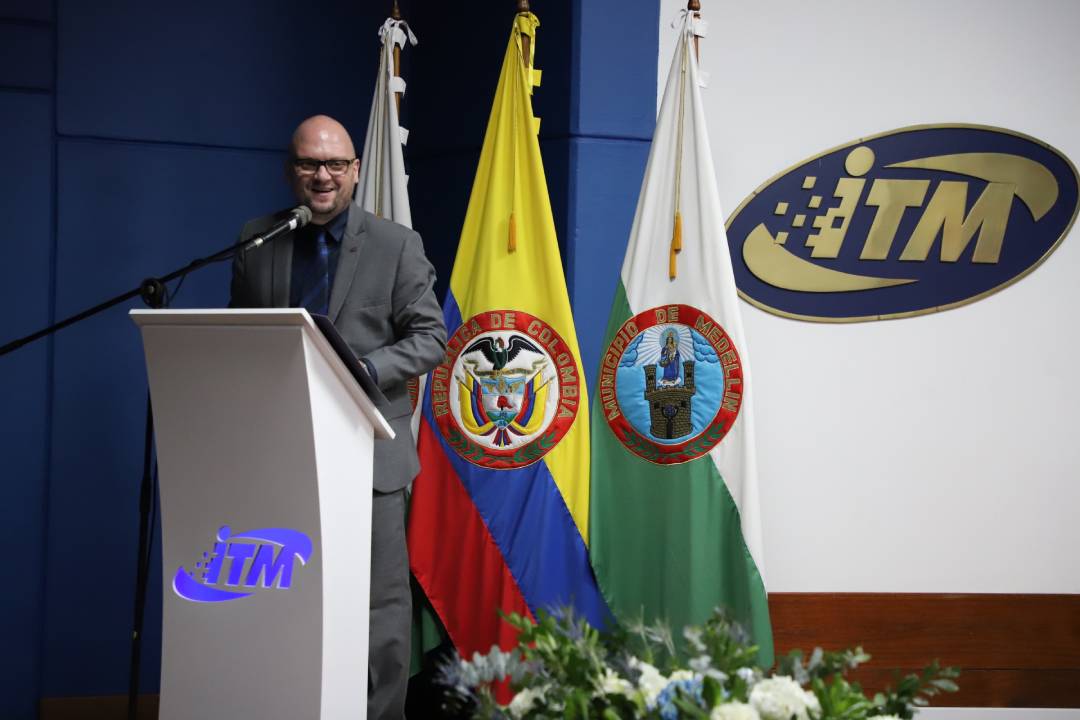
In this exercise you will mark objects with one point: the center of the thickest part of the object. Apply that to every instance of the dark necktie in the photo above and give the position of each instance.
(316, 293)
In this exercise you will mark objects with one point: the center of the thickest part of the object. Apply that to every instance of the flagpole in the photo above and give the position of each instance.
(522, 9)
(511, 243)
(694, 6)
(395, 14)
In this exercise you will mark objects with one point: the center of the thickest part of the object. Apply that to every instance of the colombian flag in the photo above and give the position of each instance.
(500, 510)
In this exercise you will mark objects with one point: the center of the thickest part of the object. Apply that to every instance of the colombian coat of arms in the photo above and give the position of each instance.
(507, 390)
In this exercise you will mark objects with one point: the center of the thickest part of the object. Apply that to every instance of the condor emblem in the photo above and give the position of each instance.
(671, 384)
(507, 390)
(908, 222)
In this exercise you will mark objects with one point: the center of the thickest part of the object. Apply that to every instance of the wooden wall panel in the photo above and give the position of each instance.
(103, 707)
(1012, 650)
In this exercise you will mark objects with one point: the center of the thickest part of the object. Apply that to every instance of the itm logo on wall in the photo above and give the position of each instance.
(907, 222)
(240, 563)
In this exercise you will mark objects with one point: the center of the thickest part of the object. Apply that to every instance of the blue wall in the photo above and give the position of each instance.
(613, 113)
(27, 240)
(139, 135)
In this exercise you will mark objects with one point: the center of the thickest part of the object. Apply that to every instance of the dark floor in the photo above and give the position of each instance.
(425, 698)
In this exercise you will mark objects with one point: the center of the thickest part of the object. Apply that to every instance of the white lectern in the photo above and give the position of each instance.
(264, 444)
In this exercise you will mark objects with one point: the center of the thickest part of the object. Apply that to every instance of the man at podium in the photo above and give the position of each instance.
(371, 278)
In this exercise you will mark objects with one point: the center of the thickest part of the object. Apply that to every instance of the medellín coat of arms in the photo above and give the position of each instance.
(671, 384)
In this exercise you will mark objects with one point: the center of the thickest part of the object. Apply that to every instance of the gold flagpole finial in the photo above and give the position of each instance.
(693, 6)
(522, 6)
(395, 13)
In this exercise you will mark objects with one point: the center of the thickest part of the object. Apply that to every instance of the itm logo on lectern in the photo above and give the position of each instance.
(907, 222)
(240, 563)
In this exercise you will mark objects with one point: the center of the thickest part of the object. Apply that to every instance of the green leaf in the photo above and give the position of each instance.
(562, 653)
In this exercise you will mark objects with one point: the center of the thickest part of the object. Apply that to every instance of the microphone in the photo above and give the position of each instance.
(298, 218)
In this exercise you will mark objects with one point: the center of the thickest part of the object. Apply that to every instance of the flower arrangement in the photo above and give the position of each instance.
(563, 668)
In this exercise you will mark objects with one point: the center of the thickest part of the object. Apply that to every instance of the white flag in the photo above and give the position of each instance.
(383, 188)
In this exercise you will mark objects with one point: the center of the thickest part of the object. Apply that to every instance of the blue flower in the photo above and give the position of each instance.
(665, 701)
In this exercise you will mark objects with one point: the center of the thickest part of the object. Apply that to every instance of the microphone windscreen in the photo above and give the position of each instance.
(303, 215)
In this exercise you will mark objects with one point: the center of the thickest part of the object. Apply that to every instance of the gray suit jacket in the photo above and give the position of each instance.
(382, 303)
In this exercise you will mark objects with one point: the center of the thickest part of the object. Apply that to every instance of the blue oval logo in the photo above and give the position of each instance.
(907, 222)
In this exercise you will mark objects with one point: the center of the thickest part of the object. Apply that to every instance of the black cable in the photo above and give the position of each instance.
(176, 290)
(142, 563)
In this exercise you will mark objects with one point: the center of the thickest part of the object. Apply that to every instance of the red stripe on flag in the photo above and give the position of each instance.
(459, 565)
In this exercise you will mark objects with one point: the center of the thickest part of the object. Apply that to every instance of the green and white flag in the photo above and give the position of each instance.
(674, 526)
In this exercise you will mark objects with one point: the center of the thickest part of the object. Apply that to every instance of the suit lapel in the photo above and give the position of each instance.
(348, 259)
(281, 271)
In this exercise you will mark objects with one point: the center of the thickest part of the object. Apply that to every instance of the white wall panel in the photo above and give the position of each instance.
(931, 454)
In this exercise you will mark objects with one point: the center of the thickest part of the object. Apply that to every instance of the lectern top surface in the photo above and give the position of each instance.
(278, 317)
(230, 316)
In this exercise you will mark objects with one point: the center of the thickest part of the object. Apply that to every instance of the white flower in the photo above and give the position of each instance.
(747, 674)
(612, 684)
(680, 675)
(781, 698)
(693, 636)
(734, 711)
(702, 666)
(651, 682)
(525, 699)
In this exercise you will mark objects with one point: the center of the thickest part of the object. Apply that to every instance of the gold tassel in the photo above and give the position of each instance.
(676, 245)
(512, 245)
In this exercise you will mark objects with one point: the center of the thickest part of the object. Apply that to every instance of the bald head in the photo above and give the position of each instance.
(322, 138)
(321, 129)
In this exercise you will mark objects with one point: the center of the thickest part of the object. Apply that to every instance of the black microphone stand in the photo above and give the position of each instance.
(152, 291)
(154, 294)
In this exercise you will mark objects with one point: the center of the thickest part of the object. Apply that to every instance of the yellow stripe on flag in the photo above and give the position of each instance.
(489, 275)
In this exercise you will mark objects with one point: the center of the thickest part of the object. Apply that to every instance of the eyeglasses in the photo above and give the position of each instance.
(310, 166)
